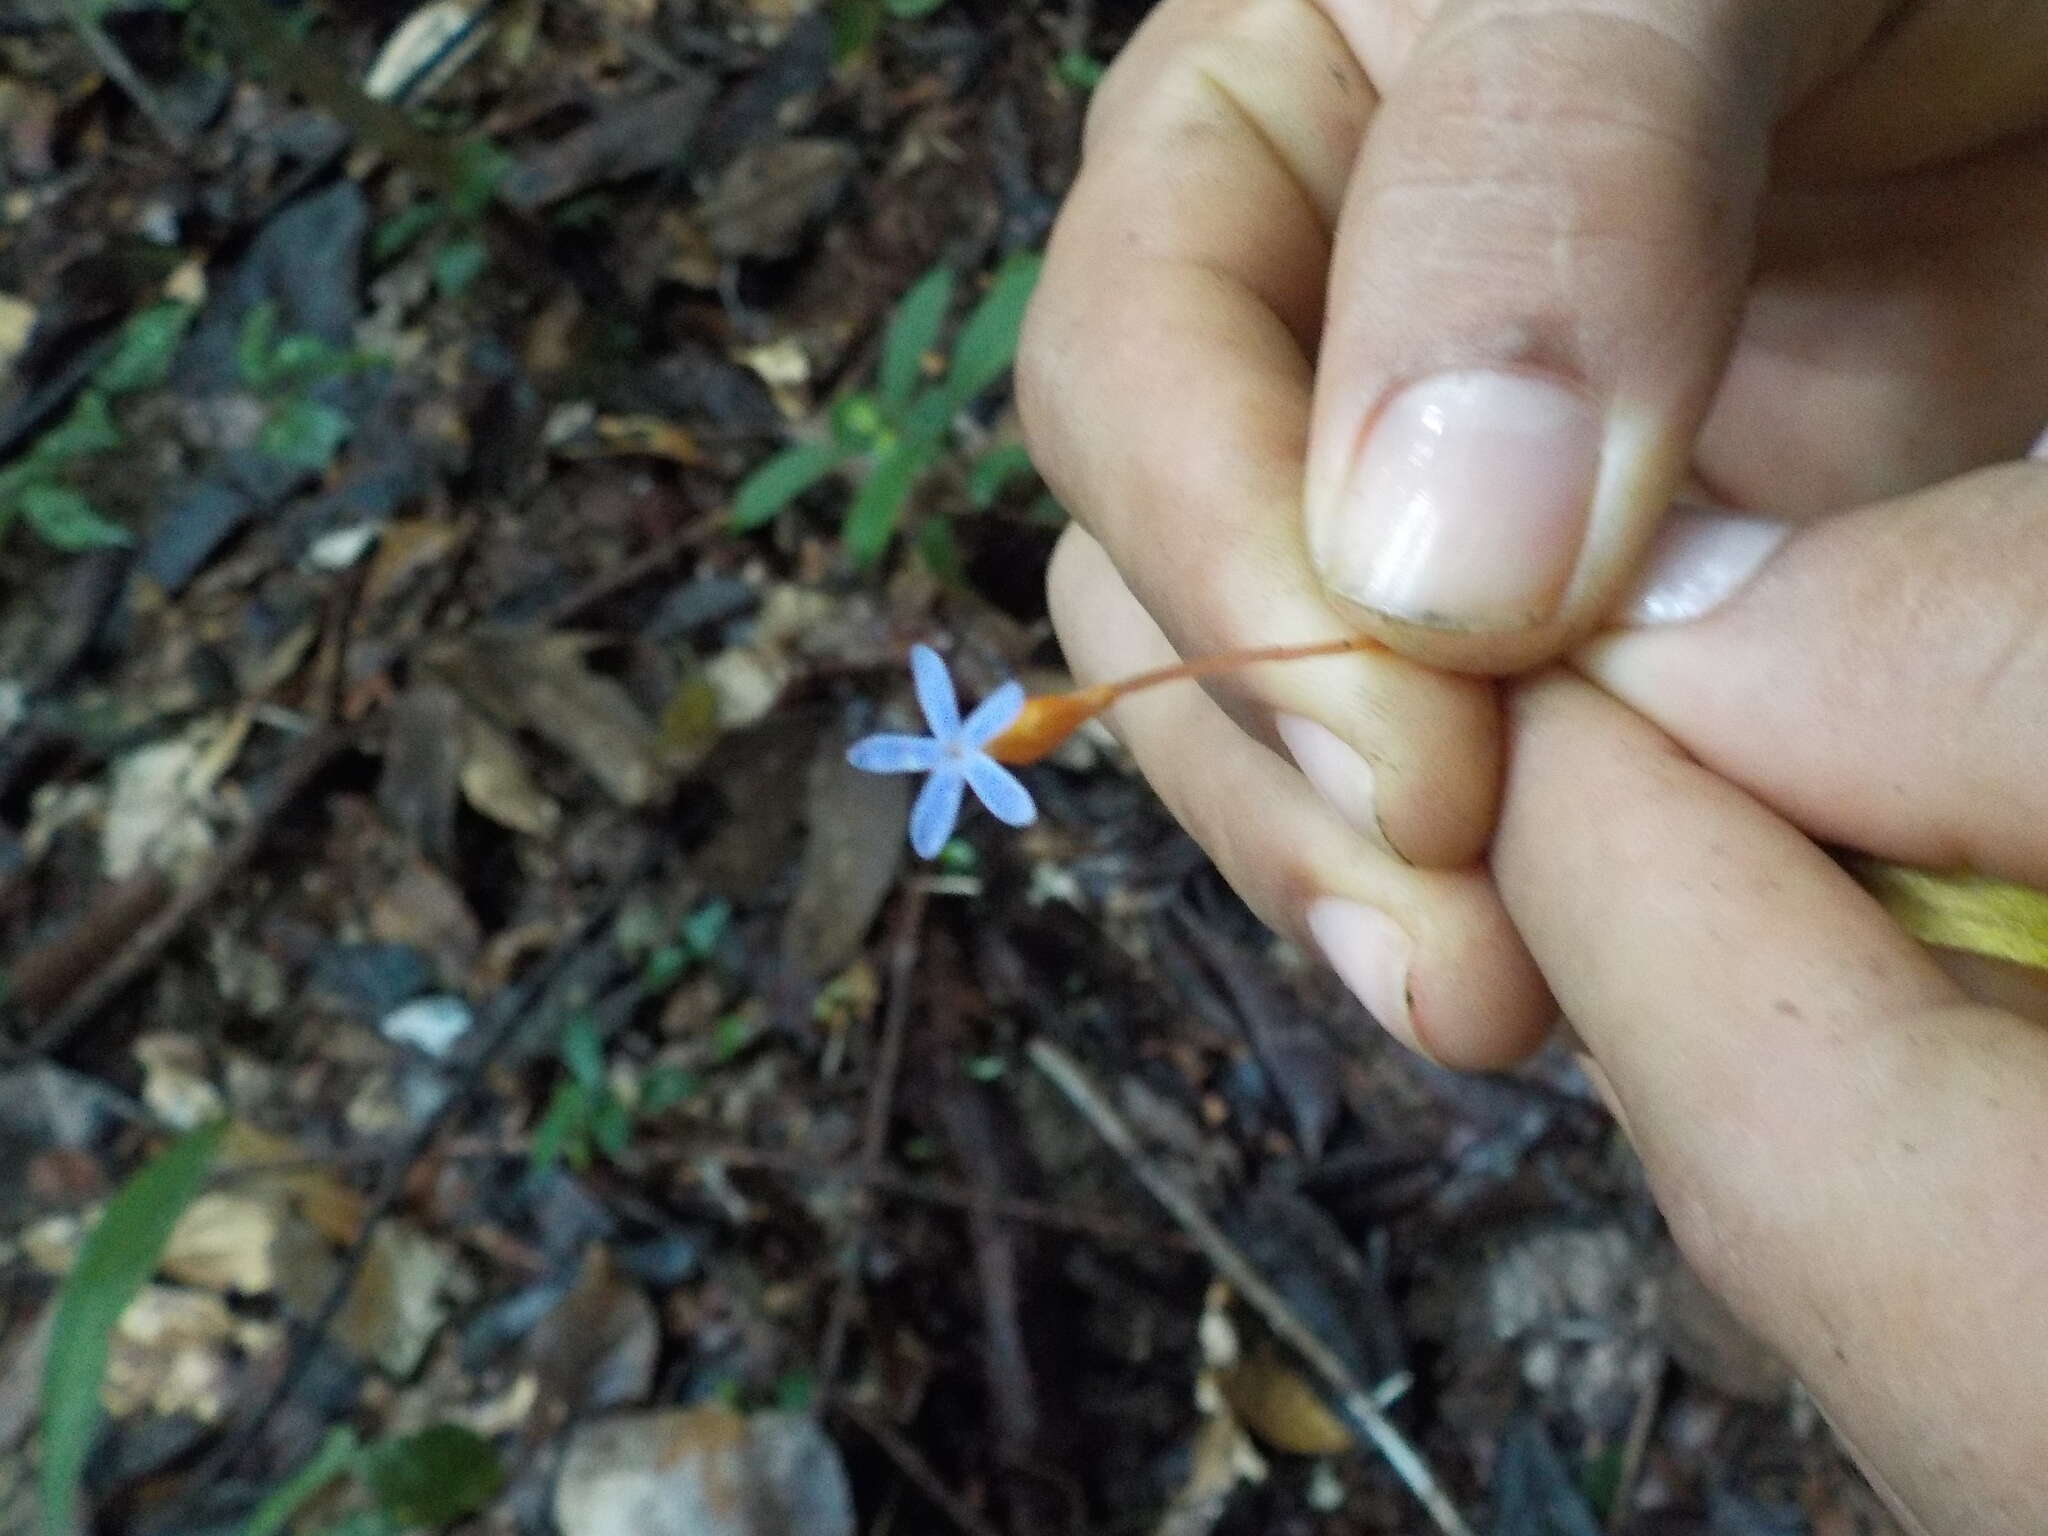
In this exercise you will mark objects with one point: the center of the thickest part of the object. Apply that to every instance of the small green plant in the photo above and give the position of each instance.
(857, 23)
(299, 430)
(44, 488)
(585, 1117)
(886, 438)
(442, 1474)
(119, 1255)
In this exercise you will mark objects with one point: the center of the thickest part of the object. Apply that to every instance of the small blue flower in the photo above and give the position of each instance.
(953, 755)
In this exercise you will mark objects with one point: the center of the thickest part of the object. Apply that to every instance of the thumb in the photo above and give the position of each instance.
(1878, 680)
(1538, 273)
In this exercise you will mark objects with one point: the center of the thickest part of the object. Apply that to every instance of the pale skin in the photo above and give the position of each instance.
(1793, 258)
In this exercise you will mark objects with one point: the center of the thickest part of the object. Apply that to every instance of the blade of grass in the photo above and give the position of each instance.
(119, 1255)
(336, 1455)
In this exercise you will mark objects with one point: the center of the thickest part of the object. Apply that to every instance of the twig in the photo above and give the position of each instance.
(1637, 1445)
(148, 943)
(913, 1466)
(608, 584)
(1352, 1399)
(122, 73)
(903, 956)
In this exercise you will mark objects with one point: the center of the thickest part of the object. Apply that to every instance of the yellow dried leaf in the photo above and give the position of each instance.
(1973, 913)
(1277, 1405)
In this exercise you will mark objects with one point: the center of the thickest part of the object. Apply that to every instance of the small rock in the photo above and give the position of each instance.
(429, 1024)
(703, 1472)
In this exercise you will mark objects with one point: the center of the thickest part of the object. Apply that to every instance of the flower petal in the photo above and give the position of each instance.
(1001, 791)
(935, 692)
(889, 753)
(937, 808)
(993, 715)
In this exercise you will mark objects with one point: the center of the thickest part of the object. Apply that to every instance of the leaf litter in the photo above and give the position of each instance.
(436, 704)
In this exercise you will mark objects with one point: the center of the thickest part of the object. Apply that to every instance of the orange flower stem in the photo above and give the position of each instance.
(1049, 719)
(1230, 661)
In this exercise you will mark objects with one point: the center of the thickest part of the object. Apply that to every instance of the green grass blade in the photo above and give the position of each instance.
(913, 331)
(117, 1257)
(336, 1455)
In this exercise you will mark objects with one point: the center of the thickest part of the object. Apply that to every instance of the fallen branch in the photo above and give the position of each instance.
(904, 950)
(1356, 1404)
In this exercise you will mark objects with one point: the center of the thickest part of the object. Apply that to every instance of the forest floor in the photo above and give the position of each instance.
(403, 755)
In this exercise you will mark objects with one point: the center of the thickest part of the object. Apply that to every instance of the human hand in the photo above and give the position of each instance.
(1553, 190)
(1847, 1146)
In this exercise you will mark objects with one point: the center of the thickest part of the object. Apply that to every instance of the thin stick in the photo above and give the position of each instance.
(903, 957)
(913, 1466)
(1353, 1400)
(608, 584)
(148, 943)
(1641, 1423)
(123, 74)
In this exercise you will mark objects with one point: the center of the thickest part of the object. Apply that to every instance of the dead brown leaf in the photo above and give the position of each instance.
(851, 855)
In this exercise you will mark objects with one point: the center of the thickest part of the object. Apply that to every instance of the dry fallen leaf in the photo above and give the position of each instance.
(703, 1472)
(543, 682)
(497, 785)
(596, 1349)
(851, 855)
(223, 1243)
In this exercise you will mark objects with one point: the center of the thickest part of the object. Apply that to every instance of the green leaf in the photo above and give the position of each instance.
(858, 424)
(306, 434)
(336, 1454)
(583, 1051)
(611, 1127)
(703, 928)
(994, 470)
(987, 343)
(871, 520)
(302, 357)
(664, 1088)
(66, 520)
(458, 264)
(563, 1130)
(665, 967)
(149, 343)
(480, 167)
(89, 429)
(399, 231)
(1081, 70)
(440, 1474)
(781, 480)
(940, 551)
(855, 26)
(913, 331)
(117, 1257)
(255, 343)
(795, 1391)
(911, 10)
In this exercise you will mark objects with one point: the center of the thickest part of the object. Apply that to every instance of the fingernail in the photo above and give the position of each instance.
(1702, 556)
(1468, 502)
(1370, 954)
(1340, 774)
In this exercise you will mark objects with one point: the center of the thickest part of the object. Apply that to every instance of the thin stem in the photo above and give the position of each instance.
(1230, 661)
